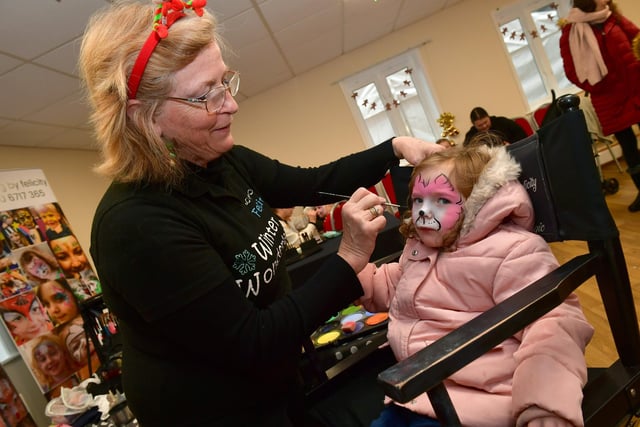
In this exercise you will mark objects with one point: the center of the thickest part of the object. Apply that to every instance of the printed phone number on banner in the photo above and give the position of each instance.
(22, 195)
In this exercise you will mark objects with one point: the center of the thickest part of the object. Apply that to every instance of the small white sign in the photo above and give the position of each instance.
(24, 187)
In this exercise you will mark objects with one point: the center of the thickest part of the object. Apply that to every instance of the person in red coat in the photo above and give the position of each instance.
(600, 49)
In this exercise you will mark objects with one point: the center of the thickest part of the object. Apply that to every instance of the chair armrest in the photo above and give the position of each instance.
(430, 366)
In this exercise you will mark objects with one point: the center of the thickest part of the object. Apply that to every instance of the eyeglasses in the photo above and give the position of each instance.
(215, 98)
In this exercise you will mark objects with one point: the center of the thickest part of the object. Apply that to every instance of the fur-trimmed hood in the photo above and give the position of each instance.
(496, 198)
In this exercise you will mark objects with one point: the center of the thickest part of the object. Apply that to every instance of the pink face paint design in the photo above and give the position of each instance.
(436, 205)
(39, 268)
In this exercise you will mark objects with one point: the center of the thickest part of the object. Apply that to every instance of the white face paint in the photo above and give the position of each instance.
(436, 206)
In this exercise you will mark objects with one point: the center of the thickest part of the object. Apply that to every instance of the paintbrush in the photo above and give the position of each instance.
(348, 197)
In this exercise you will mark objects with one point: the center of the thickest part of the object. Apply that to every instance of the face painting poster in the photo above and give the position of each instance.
(44, 276)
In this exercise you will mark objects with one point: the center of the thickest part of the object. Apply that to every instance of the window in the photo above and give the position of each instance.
(530, 34)
(393, 98)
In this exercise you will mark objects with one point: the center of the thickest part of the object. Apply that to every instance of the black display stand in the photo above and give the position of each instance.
(101, 327)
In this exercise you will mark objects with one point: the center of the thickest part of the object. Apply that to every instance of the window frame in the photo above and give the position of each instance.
(522, 10)
(377, 74)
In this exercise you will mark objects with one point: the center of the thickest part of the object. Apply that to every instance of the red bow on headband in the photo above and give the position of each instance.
(170, 11)
(165, 15)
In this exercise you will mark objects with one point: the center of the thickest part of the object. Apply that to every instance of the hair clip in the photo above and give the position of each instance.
(165, 15)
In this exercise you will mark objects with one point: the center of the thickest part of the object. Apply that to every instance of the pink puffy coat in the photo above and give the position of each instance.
(430, 293)
(616, 98)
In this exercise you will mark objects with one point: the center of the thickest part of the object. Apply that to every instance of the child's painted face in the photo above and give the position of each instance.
(50, 217)
(24, 217)
(50, 359)
(436, 206)
(69, 255)
(30, 327)
(59, 302)
(39, 268)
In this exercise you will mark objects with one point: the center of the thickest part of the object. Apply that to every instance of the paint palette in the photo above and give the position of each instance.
(347, 325)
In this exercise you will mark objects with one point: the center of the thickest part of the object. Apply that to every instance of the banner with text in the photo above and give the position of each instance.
(44, 275)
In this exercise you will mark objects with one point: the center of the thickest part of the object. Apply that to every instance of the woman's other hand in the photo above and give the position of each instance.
(362, 220)
(413, 150)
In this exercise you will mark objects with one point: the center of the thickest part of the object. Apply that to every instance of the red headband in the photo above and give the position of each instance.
(167, 12)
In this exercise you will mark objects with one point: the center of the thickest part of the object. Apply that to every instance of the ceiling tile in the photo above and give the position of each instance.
(310, 28)
(38, 26)
(366, 21)
(71, 111)
(262, 67)
(24, 134)
(281, 14)
(73, 139)
(64, 58)
(7, 63)
(243, 30)
(31, 88)
(324, 47)
(225, 9)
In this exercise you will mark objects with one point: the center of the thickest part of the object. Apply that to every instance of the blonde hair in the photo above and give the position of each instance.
(130, 148)
(44, 379)
(467, 164)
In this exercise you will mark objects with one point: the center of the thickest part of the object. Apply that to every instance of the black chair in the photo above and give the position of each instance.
(569, 205)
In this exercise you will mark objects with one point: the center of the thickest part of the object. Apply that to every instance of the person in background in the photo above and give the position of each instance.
(506, 128)
(468, 209)
(322, 216)
(294, 236)
(185, 234)
(600, 49)
(313, 214)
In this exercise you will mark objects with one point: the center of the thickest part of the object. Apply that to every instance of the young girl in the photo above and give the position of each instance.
(59, 300)
(54, 221)
(75, 265)
(62, 306)
(469, 247)
(38, 264)
(50, 361)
